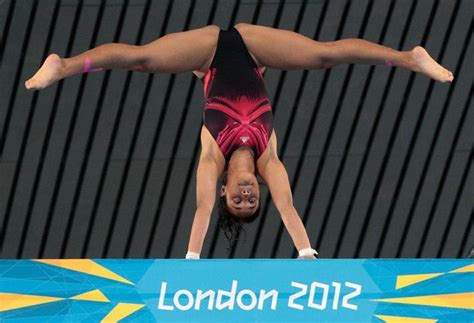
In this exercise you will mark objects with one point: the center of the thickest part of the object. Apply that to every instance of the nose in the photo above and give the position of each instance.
(245, 191)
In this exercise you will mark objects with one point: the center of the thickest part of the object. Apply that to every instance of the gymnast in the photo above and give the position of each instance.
(237, 138)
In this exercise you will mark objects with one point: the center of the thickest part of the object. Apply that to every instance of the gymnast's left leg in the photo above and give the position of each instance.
(288, 50)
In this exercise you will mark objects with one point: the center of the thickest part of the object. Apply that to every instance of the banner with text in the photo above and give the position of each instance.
(238, 290)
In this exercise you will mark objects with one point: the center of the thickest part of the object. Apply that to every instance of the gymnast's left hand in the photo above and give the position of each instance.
(307, 257)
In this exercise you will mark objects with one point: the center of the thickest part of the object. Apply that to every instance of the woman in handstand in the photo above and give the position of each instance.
(237, 138)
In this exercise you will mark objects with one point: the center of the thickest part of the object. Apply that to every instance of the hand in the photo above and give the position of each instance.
(192, 255)
(307, 257)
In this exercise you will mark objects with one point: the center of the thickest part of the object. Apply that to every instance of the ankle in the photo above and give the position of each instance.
(67, 68)
(409, 60)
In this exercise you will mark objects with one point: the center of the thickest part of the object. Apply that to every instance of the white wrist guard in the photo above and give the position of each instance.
(192, 255)
(307, 252)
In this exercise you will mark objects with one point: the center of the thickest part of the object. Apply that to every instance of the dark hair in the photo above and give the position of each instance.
(231, 226)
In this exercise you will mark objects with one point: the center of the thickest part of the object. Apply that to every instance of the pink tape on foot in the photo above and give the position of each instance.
(88, 66)
(388, 62)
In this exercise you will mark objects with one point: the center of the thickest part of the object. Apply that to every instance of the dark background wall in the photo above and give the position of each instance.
(103, 165)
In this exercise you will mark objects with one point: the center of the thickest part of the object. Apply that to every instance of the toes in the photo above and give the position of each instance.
(31, 84)
(450, 76)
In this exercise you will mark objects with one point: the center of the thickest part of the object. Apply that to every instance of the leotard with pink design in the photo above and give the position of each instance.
(237, 111)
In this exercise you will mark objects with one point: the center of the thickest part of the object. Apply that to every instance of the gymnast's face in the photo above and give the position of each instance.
(242, 194)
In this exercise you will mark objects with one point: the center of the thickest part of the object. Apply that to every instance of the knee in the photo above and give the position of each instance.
(142, 61)
(325, 52)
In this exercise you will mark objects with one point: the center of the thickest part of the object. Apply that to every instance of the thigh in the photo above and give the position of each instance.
(282, 49)
(181, 51)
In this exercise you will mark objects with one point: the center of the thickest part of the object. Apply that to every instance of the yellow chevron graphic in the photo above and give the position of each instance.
(407, 280)
(94, 296)
(120, 311)
(401, 319)
(458, 300)
(11, 301)
(86, 266)
(465, 269)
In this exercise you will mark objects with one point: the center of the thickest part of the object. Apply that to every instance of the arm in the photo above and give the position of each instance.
(280, 190)
(206, 181)
(274, 173)
(208, 172)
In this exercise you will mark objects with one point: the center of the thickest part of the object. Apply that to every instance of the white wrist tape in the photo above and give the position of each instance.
(192, 255)
(307, 252)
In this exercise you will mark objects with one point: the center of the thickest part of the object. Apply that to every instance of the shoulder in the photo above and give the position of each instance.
(270, 154)
(210, 151)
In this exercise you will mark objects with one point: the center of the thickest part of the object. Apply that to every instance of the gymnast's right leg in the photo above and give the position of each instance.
(173, 53)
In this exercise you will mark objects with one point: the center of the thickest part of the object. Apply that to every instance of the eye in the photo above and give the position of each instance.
(253, 200)
(236, 200)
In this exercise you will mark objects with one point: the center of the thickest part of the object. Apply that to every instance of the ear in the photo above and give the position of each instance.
(223, 191)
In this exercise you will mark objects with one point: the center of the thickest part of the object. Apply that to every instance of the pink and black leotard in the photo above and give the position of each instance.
(237, 111)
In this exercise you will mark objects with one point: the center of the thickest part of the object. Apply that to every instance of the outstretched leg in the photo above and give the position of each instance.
(173, 53)
(288, 50)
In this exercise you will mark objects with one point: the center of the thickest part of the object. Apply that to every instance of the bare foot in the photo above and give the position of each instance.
(425, 64)
(49, 72)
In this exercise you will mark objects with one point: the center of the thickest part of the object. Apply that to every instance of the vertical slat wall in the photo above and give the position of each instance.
(103, 165)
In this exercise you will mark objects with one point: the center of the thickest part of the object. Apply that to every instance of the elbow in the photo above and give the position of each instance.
(205, 207)
(287, 210)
